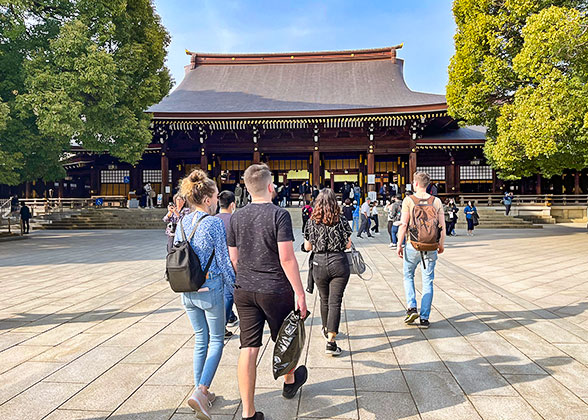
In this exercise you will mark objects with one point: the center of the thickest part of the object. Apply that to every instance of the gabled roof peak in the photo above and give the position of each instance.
(387, 53)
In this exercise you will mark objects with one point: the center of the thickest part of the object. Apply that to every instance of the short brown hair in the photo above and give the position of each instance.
(257, 178)
(326, 209)
(197, 186)
(423, 178)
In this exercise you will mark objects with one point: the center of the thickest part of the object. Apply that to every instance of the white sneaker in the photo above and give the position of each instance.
(391, 245)
(200, 403)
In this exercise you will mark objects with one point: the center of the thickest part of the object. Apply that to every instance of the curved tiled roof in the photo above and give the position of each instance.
(321, 83)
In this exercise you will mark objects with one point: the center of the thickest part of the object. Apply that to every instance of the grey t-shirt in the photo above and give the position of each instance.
(256, 230)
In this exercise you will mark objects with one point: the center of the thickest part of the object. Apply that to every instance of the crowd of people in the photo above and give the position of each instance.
(252, 265)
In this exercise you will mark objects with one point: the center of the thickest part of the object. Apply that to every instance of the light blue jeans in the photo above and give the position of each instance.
(355, 226)
(206, 311)
(412, 258)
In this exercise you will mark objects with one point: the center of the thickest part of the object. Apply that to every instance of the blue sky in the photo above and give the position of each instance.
(426, 28)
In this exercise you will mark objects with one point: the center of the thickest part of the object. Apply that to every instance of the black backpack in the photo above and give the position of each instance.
(183, 269)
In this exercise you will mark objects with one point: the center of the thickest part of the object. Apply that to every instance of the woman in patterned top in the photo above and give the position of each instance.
(206, 307)
(327, 235)
(175, 211)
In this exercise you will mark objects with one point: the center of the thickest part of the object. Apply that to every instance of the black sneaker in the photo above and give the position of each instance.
(300, 377)
(232, 321)
(258, 416)
(424, 323)
(228, 334)
(411, 315)
(360, 237)
(333, 349)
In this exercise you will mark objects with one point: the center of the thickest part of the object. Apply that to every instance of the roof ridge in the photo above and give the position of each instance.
(294, 57)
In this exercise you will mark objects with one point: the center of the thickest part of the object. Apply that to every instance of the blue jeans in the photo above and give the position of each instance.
(206, 311)
(412, 258)
(394, 234)
(229, 299)
(355, 224)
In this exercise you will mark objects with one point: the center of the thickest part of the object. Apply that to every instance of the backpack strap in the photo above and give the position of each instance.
(209, 262)
(195, 227)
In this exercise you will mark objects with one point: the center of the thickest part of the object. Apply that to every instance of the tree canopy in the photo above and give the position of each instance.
(78, 71)
(521, 69)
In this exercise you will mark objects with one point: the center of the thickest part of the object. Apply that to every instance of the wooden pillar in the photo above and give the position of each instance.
(136, 181)
(203, 162)
(164, 179)
(60, 189)
(371, 169)
(316, 167)
(256, 157)
(538, 185)
(94, 181)
(577, 182)
(333, 182)
(412, 165)
(494, 182)
(450, 177)
(28, 189)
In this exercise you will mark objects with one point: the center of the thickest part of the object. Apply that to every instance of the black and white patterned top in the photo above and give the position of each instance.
(328, 238)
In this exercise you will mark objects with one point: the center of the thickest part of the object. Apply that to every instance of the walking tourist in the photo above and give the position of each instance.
(355, 226)
(393, 208)
(206, 307)
(451, 211)
(175, 211)
(470, 212)
(25, 217)
(375, 217)
(365, 214)
(422, 216)
(238, 194)
(261, 248)
(306, 213)
(226, 202)
(149, 195)
(394, 190)
(328, 235)
(348, 210)
(315, 192)
(507, 200)
(288, 194)
(356, 193)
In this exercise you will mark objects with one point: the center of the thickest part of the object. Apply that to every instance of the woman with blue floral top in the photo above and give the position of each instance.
(175, 211)
(206, 307)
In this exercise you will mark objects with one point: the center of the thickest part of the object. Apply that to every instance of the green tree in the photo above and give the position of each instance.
(521, 69)
(78, 71)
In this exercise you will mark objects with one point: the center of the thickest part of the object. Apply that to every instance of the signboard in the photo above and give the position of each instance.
(159, 199)
(408, 187)
(372, 195)
(167, 189)
(127, 179)
(99, 201)
(371, 179)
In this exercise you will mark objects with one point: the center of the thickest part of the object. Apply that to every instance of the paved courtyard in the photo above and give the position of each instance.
(90, 330)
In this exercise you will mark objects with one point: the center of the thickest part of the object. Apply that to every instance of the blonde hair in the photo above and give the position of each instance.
(257, 178)
(422, 178)
(197, 186)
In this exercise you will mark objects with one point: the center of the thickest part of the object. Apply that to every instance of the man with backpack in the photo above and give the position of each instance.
(423, 219)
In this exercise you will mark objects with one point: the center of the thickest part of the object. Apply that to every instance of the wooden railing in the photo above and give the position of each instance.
(548, 200)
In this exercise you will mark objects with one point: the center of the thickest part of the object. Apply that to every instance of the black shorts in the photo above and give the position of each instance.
(255, 308)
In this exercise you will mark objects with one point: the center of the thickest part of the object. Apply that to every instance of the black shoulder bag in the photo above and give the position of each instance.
(183, 269)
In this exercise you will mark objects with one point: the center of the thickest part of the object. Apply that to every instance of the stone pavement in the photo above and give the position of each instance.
(90, 330)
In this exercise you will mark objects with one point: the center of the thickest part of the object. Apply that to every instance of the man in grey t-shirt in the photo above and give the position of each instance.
(261, 248)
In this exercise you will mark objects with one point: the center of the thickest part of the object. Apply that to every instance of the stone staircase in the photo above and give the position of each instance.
(104, 218)
(491, 218)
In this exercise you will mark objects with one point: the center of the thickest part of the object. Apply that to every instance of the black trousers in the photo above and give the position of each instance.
(376, 227)
(25, 225)
(330, 272)
(450, 226)
(507, 208)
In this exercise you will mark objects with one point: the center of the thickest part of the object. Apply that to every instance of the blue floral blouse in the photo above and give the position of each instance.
(209, 235)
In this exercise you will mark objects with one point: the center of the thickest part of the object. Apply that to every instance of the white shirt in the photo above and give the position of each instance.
(365, 208)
